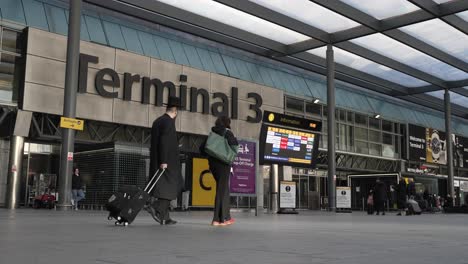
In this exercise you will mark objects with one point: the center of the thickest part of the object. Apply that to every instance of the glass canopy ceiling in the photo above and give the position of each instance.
(407, 48)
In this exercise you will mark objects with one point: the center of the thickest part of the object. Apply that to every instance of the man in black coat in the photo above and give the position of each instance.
(380, 196)
(164, 154)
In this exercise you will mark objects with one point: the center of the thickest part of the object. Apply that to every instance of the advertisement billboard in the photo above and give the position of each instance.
(244, 169)
(430, 145)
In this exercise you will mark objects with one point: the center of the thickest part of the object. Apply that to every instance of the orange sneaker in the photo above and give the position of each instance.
(230, 221)
(216, 223)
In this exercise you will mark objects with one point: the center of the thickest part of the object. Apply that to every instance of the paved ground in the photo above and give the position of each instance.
(42, 236)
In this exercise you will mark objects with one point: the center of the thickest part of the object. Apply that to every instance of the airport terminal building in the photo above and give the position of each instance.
(133, 54)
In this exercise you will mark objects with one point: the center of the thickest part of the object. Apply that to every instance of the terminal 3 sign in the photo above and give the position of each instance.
(430, 145)
(109, 77)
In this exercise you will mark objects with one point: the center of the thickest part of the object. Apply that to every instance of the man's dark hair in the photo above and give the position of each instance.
(223, 121)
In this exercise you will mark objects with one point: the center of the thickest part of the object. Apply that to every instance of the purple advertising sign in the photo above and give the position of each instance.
(243, 169)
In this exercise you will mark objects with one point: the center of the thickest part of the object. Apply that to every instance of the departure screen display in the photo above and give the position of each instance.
(285, 145)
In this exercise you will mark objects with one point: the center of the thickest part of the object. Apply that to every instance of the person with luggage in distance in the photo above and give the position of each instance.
(164, 154)
(380, 196)
(401, 196)
(221, 170)
(370, 202)
(77, 188)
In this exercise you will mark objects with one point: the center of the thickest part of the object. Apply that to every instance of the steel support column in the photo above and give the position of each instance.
(14, 171)
(69, 106)
(331, 128)
(448, 131)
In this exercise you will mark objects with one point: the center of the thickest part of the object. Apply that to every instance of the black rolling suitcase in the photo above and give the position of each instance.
(125, 204)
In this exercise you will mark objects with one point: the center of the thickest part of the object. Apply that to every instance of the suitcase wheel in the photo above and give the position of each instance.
(117, 223)
(109, 218)
(125, 223)
(119, 218)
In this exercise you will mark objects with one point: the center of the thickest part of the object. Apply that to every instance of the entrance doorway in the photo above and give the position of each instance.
(307, 191)
(362, 184)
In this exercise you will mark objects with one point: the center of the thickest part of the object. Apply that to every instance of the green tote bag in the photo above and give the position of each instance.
(218, 147)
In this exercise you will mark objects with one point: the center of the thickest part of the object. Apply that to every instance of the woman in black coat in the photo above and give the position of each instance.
(221, 172)
(401, 196)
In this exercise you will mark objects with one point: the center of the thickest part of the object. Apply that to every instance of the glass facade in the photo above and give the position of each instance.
(355, 132)
(10, 52)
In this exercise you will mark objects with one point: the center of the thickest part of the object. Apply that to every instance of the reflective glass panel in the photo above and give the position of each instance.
(375, 149)
(310, 13)
(362, 147)
(9, 41)
(441, 35)
(382, 9)
(7, 70)
(351, 60)
(400, 52)
(361, 133)
(294, 104)
(233, 17)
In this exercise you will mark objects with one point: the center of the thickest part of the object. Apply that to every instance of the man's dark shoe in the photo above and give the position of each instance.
(153, 213)
(169, 222)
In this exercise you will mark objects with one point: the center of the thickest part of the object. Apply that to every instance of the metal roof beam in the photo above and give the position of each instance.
(423, 89)
(441, 12)
(460, 91)
(457, 84)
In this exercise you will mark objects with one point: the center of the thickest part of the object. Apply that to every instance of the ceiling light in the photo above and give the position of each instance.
(316, 101)
(377, 116)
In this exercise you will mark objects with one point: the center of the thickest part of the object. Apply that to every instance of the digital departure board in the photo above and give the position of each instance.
(288, 146)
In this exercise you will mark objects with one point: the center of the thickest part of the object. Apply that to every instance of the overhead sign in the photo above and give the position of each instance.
(72, 123)
(203, 183)
(287, 195)
(229, 104)
(244, 169)
(343, 197)
(291, 121)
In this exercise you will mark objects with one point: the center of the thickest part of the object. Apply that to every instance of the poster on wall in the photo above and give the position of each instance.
(460, 149)
(203, 183)
(430, 145)
(287, 195)
(244, 169)
(436, 147)
(417, 143)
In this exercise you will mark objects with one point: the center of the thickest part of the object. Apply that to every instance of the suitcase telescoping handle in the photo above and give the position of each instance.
(157, 175)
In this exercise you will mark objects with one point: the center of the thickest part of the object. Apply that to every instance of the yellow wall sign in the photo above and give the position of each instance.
(72, 123)
(203, 183)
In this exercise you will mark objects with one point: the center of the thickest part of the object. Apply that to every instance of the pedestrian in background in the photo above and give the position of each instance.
(401, 196)
(380, 196)
(370, 202)
(77, 188)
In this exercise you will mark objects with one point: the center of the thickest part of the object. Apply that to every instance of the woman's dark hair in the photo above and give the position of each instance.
(223, 121)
